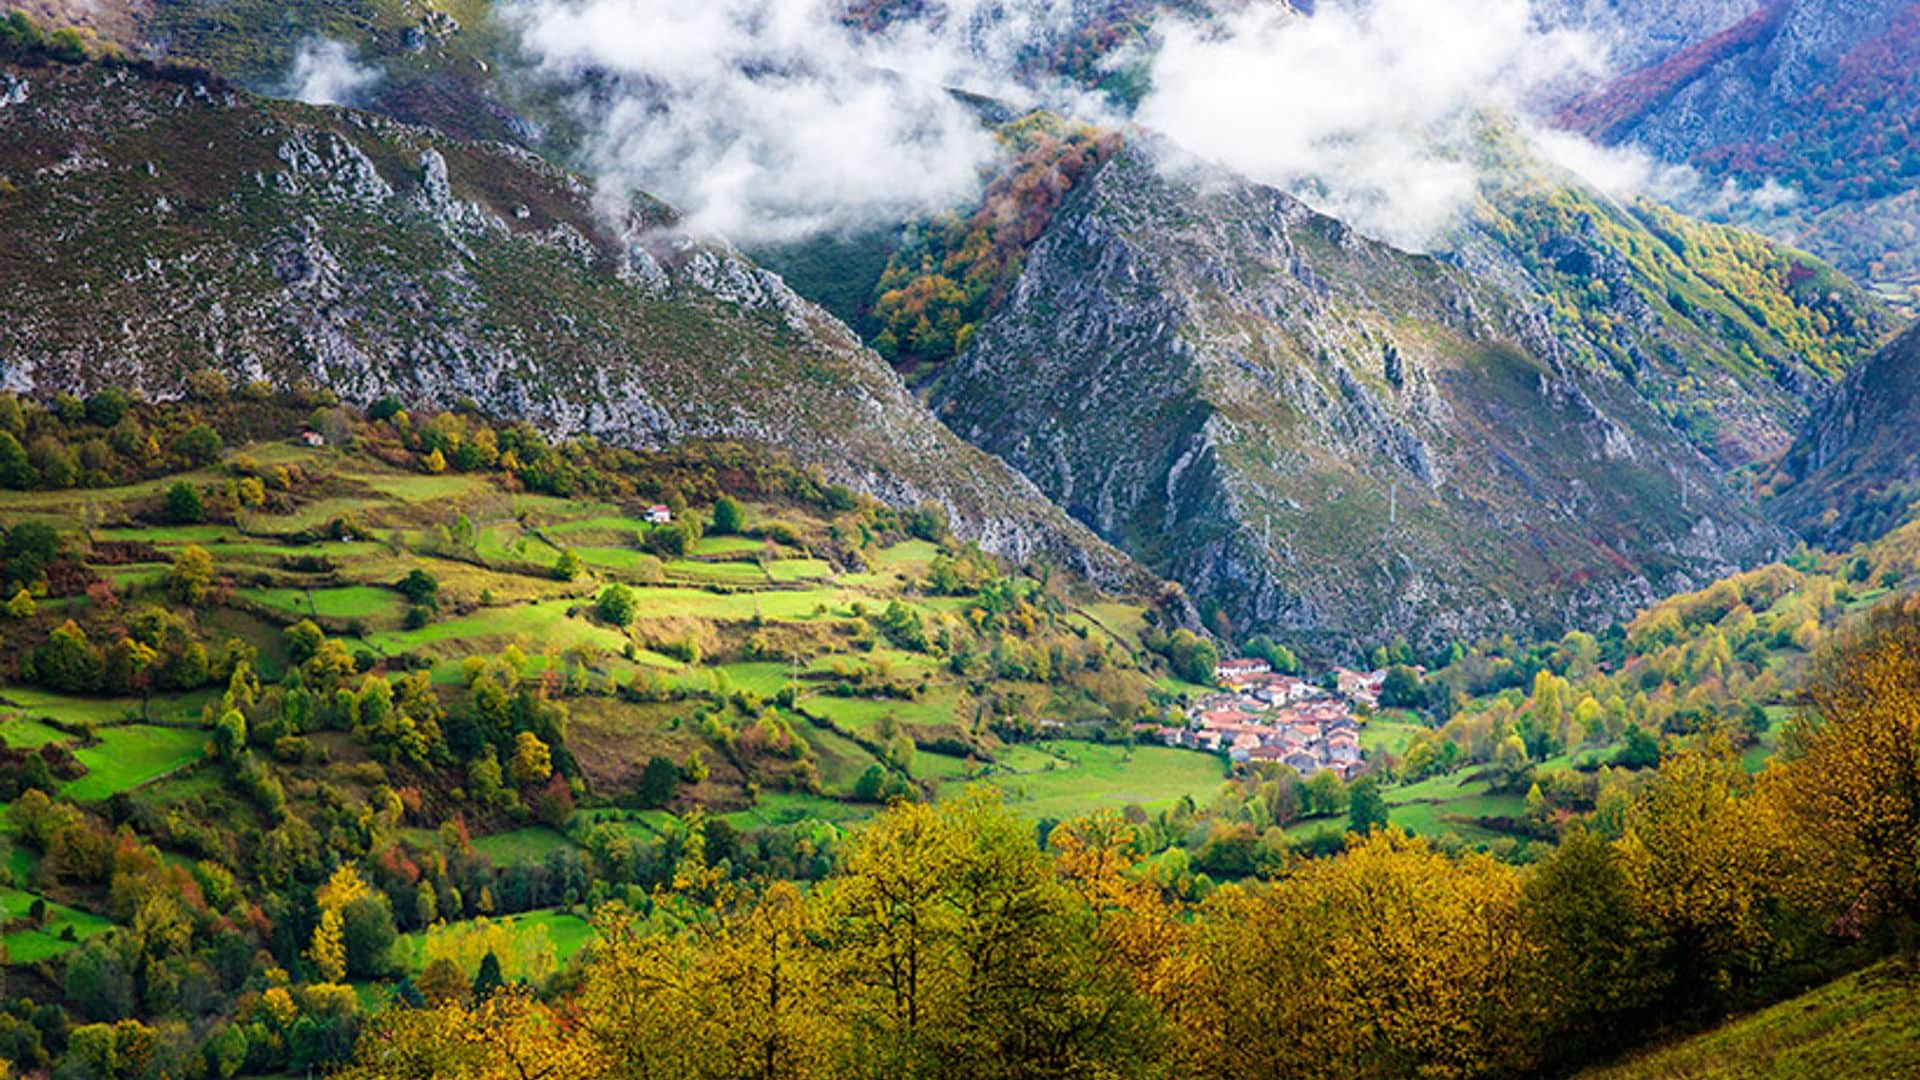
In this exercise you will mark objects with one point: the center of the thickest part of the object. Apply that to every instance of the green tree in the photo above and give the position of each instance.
(107, 407)
(183, 505)
(198, 445)
(68, 661)
(16, 472)
(728, 516)
(1366, 807)
(1401, 688)
(618, 605)
(420, 587)
(569, 567)
(487, 981)
(658, 782)
(367, 931)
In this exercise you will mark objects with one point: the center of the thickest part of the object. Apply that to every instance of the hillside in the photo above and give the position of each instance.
(1852, 475)
(1730, 337)
(1333, 439)
(1811, 100)
(453, 65)
(1861, 1027)
(154, 224)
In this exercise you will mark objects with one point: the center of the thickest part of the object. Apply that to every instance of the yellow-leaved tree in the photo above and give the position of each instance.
(328, 950)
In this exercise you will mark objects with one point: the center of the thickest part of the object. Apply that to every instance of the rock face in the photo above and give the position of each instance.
(1855, 472)
(1331, 438)
(151, 227)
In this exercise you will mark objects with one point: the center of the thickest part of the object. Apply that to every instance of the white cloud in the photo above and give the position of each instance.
(328, 72)
(771, 119)
(1369, 110)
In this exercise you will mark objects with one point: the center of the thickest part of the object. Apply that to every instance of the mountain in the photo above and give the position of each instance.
(155, 221)
(1729, 337)
(1811, 102)
(1855, 471)
(452, 66)
(1323, 434)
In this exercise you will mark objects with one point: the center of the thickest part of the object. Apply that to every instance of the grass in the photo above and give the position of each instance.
(542, 625)
(863, 714)
(791, 807)
(726, 545)
(521, 846)
(349, 602)
(1454, 802)
(132, 755)
(740, 573)
(1084, 777)
(1866, 1026)
(30, 946)
(1389, 733)
(784, 571)
(913, 555)
(20, 732)
(567, 932)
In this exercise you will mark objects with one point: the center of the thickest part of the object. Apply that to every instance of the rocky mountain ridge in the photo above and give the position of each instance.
(1329, 437)
(151, 225)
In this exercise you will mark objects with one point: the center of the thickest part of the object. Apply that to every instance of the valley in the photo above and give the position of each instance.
(462, 615)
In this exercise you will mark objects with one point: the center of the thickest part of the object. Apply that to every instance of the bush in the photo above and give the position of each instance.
(107, 407)
(618, 605)
(198, 445)
(183, 505)
(729, 518)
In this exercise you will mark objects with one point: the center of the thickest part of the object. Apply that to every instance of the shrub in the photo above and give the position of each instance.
(183, 505)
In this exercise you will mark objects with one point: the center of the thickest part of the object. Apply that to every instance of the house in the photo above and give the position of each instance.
(658, 515)
(1267, 753)
(1302, 762)
(1229, 671)
(1226, 718)
(313, 438)
(1287, 689)
(1361, 686)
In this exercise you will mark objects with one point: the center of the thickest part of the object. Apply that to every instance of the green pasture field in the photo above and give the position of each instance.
(132, 755)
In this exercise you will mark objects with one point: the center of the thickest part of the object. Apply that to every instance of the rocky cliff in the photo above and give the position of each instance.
(154, 223)
(1854, 475)
(1328, 436)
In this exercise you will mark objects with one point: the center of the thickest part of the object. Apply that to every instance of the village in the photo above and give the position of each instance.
(1260, 715)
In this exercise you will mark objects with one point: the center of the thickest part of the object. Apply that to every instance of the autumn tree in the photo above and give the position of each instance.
(1851, 775)
(190, 576)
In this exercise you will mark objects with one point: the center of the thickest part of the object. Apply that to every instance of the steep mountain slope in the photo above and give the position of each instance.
(1324, 434)
(1812, 97)
(447, 64)
(1729, 337)
(153, 225)
(1855, 472)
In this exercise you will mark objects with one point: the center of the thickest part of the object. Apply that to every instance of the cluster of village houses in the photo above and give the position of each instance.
(1263, 716)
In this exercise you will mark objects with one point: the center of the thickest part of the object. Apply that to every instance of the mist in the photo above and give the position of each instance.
(328, 72)
(1370, 111)
(770, 120)
(774, 120)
